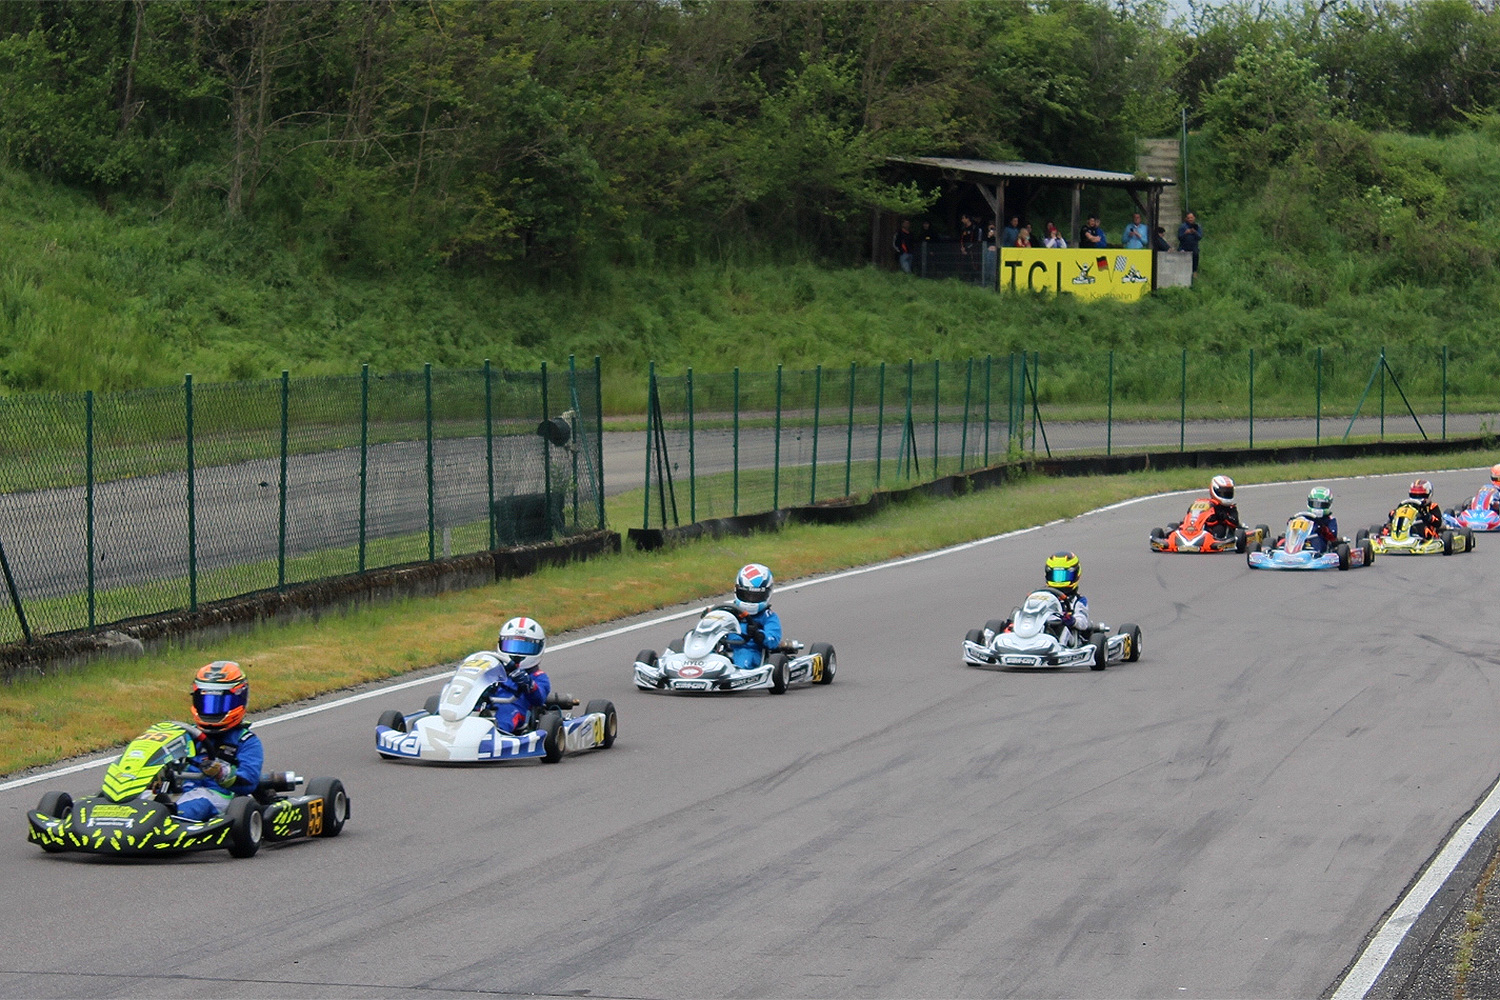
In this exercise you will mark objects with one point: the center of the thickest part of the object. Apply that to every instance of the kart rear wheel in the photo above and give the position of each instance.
(996, 625)
(646, 656)
(1101, 654)
(778, 673)
(392, 719)
(430, 706)
(1241, 540)
(1132, 642)
(551, 728)
(1468, 539)
(611, 720)
(1343, 551)
(1447, 538)
(335, 804)
(246, 826)
(1369, 553)
(57, 805)
(830, 661)
(1361, 535)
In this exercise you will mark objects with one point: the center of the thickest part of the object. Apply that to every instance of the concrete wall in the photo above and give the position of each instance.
(1174, 269)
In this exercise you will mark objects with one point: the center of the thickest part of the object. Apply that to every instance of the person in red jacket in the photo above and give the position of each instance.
(1224, 520)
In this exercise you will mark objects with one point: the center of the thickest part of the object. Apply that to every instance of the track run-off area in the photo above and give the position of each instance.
(1234, 815)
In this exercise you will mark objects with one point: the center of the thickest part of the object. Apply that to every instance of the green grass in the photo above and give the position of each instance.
(40, 721)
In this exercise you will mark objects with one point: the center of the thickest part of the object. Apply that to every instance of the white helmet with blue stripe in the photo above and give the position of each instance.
(752, 589)
(521, 643)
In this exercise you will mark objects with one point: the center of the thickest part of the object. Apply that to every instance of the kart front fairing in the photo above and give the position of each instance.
(1297, 552)
(1035, 638)
(705, 662)
(464, 728)
(1480, 514)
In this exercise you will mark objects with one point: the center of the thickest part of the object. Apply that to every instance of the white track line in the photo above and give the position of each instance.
(1366, 970)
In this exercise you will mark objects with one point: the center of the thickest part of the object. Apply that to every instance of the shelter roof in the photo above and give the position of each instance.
(1048, 173)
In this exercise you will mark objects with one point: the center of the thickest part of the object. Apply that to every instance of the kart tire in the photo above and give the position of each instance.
(975, 635)
(430, 706)
(1343, 551)
(551, 728)
(1361, 535)
(997, 625)
(57, 805)
(392, 719)
(778, 673)
(830, 661)
(1447, 538)
(1133, 644)
(675, 646)
(611, 720)
(1241, 540)
(1265, 533)
(246, 826)
(1157, 535)
(1468, 534)
(1101, 654)
(646, 656)
(1369, 548)
(335, 804)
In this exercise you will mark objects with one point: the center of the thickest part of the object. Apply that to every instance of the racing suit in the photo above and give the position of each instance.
(1429, 522)
(239, 756)
(1223, 519)
(517, 697)
(761, 635)
(1325, 532)
(1075, 615)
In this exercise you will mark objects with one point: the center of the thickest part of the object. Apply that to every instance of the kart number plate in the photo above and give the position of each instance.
(1012, 660)
(692, 685)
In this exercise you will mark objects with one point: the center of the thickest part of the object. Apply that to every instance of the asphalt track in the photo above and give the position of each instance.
(1229, 817)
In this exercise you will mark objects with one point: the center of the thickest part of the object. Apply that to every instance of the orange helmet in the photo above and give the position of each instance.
(220, 693)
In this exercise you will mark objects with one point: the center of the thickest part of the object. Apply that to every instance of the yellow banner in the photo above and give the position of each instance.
(1090, 274)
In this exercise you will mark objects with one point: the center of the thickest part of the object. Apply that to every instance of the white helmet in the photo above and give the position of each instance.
(752, 589)
(1221, 489)
(522, 641)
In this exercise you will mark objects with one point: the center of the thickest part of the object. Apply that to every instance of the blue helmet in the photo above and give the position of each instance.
(752, 589)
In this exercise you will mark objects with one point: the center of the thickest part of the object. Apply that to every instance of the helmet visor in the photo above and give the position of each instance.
(215, 704)
(516, 645)
(753, 595)
(1061, 574)
(1319, 505)
(1224, 492)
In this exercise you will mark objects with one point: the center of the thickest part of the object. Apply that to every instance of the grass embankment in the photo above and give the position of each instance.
(40, 719)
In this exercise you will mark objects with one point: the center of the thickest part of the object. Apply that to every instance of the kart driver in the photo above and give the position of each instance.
(1429, 522)
(524, 688)
(761, 626)
(1224, 517)
(1495, 496)
(1325, 527)
(1062, 571)
(231, 756)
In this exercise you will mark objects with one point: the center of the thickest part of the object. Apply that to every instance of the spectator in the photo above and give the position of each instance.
(928, 234)
(1189, 234)
(1054, 239)
(1159, 241)
(1135, 234)
(1010, 232)
(904, 245)
(989, 237)
(967, 237)
(1093, 237)
(1023, 237)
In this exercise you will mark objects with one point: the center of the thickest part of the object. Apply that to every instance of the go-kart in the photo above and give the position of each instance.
(457, 725)
(133, 814)
(1192, 536)
(701, 661)
(1034, 636)
(1293, 551)
(1479, 514)
(1397, 538)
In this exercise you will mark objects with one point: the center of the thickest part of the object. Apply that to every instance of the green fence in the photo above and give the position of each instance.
(118, 505)
(745, 442)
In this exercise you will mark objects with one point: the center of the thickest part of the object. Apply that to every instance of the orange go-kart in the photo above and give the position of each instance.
(1192, 535)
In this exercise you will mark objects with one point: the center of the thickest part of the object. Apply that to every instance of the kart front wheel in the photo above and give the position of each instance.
(392, 719)
(551, 728)
(1101, 654)
(830, 661)
(1343, 551)
(611, 720)
(430, 706)
(1361, 535)
(975, 635)
(646, 656)
(997, 625)
(1241, 540)
(246, 826)
(335, 804)
(57, 805)
(1132, 642)
(778, 673)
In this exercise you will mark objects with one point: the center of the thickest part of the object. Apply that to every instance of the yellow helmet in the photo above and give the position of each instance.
(1062, 571)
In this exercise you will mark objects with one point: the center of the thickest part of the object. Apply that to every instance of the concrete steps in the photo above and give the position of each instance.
(1162, 158)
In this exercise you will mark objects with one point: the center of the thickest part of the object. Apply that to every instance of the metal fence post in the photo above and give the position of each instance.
(650, 417)
(692, 456)
(849, 440)
(1445, 392)
(15, 595)
(1036, 385)
(907, 428)
(937, 415)
(963, 438)
(573, 437)
(1318, 411)
(776, 462)
(489, 445)
(88, 473)
(1382, 393)
(546, 458)
(987, 383)
(736, 441)
(364, 457)
(286, 387)
(599, 435)
(817, 411)
(187, 398)
(1010, 402)
(1109, 410)
(1252, 399)
(1182, 412)
(879, 424)
(431, 484)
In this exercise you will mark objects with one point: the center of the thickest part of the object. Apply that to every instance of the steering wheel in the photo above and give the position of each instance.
(723, 607)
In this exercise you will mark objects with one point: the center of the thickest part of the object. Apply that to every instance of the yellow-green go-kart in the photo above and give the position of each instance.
(134, 815)
(1401, 537)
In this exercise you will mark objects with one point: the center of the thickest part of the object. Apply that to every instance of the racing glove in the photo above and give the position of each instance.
(219, 772)
(522, 682)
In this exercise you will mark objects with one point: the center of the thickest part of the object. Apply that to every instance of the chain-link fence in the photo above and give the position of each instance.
(746, 442)
(118, 505)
